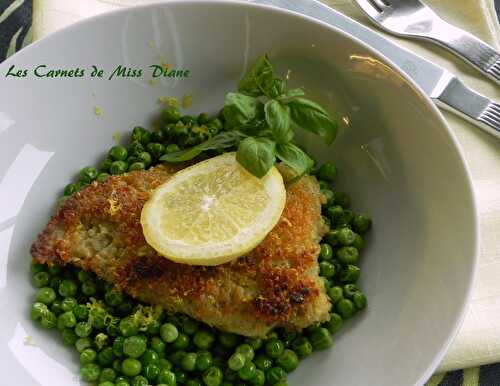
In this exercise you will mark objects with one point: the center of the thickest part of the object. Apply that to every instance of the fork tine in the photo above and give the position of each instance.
(494, 70)
(491, 115)
(369, 8)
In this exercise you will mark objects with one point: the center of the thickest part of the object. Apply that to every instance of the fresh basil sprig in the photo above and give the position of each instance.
(260, 122)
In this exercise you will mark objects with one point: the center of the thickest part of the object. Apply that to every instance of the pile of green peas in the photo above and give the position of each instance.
(121, 345)
(174, 132)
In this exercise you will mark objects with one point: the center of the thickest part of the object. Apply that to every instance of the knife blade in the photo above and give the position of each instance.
(445, 89)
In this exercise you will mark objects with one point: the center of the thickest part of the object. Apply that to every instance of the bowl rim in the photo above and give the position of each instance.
(436, 360)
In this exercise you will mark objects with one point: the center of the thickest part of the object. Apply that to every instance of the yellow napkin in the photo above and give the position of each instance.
(478, 341)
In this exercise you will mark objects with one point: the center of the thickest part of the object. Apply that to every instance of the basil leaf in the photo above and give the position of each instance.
(291, 94)
(256, 155)
(221, 141)
(278, 120)
(275, 88)
(261, 73)
(294, 157)
(312, 117)
(240, 109)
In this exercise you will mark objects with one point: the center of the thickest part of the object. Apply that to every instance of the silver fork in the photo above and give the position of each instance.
(414, 19)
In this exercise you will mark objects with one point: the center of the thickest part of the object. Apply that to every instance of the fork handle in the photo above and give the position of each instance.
(465, 45)
(467, 103)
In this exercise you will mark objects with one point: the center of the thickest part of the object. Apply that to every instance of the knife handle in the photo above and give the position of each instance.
(467, 103)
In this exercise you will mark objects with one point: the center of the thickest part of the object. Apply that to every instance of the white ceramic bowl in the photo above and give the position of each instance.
(397, 158)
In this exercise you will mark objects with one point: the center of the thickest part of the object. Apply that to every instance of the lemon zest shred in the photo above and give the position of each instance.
(187, 101)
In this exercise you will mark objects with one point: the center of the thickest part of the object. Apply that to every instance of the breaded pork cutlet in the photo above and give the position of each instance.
(277, 284)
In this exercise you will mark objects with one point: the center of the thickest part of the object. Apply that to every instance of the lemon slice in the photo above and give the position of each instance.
(212, 212)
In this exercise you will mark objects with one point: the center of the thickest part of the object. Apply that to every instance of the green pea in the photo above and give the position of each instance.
(275, 375)
(128, 327)
(320, 339)
(302, 347)
(66, 320)
(118, 153)
(41, 279)
(203, 360)
(114, 298)
(89, 288)
(158, 345)
(88, 174)
(136, 166)
(68, 304)
(83, 343)
(203, 118)
(189, 326)
(348, 255)
(104, 165)
(71, 188)
(117, 366)
(274, 348)
(106, 356)
(203, 339)
(359, 300)
(155, 149)
(255, 343)
(326, 269)
(157, 136)
(48, 320)
(236, 361)
(67, 288)
(166, 377)
(335, 323)
(212, 376)
(118, 346)
(45, 295)
(188, 362)
(164, 363)
(324, 185)
(90, 372)
(131, 367)
(150, 357)
(118, 167)
(334, 213)
(151, 371)
(361, 223)
(358, 242)
(107, 375)
(37, 267)
(228, 340)
(335, 294)
(350, 274)
(263, 362)
(141, 134)
(345, 308)
(326, 251)
(56, 307)
(83, 329)
(181, 342)
(176, 357)
(246, 350)
(329, 197)
(288, 360)
(88, 355)
(135, 148)
(139, 380)
(145, 158)
(327, 172)
(342, 199)
(170, 115)
(346, 236)
(345, 218)
(83, 276)
(122, 382)
(134, 347)
(259, 378)
(172, 148)
(101, 177)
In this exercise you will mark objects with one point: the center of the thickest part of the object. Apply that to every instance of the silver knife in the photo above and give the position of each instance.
(444, 88)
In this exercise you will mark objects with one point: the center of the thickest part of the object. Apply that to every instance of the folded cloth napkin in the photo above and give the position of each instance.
(478, 341)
